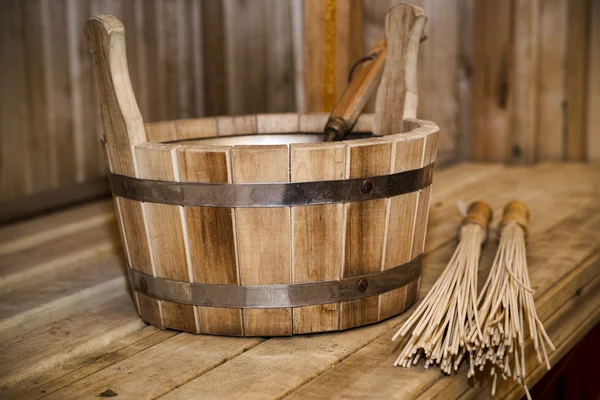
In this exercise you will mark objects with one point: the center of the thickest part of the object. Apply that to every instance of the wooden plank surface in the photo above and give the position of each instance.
(563, 263)
(263, 236)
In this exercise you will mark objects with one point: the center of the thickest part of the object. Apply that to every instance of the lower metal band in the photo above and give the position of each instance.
(275, 296)
(270, 194)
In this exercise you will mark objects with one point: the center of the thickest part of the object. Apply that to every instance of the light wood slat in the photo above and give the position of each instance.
(56, 344)
(17, 267)
(277, 123)
(165, 230)
(429, 156)
(211, 236)
(316, 232)
(238, 125)
(364, 372)
(37, 231)
(75, 287)
(364, 228)
(492, 68)
(577, 61)
(593, 87)
(526, 82)
(198, 353)
(164, 131)
(196, 128)
(552, 72)
(401, 217)
(52, 380)
(263, 236)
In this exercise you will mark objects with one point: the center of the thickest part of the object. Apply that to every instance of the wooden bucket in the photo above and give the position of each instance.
(228, 238)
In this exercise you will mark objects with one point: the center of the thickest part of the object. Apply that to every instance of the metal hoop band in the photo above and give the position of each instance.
(270, 194)
(276, 296)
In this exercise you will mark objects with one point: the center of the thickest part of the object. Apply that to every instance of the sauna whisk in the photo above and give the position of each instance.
(506, 307)
(448, 314)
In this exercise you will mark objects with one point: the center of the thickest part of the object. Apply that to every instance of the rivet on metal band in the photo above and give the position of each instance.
(276, 296)
(270, 194)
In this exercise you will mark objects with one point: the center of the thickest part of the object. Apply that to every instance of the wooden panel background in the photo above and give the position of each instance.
(514, 81)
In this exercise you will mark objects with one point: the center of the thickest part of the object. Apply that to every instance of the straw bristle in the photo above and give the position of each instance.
(447, 315)
(507, 311)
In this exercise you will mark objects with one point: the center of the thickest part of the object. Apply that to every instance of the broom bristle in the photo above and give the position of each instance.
(449, 311)
(506, 309)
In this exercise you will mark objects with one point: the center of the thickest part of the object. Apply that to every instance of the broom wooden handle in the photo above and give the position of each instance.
(479, 213)
(518, 212)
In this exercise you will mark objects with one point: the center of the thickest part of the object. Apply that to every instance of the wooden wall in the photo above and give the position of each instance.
(513, 80)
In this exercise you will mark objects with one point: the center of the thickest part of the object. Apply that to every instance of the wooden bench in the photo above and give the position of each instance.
(69, 328)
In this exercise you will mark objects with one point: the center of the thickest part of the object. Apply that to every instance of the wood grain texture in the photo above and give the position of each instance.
(492, 76)
(552, 75)
(401, 218)
(165, 231)
(577, 56)
(525, 86)
(593, 93)
(263, 236)
(316, 232)
(397, 96)
(364, 227)
(211, 236)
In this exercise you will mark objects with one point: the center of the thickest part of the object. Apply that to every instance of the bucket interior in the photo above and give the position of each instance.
(273, 139)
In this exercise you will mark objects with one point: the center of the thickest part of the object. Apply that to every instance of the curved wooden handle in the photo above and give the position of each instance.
(479, 213)
(518, 212)
(121, 118)
(397, 97)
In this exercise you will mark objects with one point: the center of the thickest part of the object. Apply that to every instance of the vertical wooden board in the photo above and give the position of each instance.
(465, 79)
(165, 231)
(317, 232)
(246, 55)
(402, 212)
(151, 62)
(552, 75)
(84, 99)
(15, 179)
(525, 85)
(184, 58)
(214, 51)
(263, 235)
(314, 45)
(364, 228)
(280, 58)
(593, 93)
(59, 109)
(39, 141)
(491, 80)
(196, 49)
(431, 145)
(167, 23)
(211, 236)
(577, 63)
(348, 41)
(438, 94)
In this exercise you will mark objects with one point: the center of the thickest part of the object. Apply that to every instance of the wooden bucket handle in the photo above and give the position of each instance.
(121, 117)
(398, 95)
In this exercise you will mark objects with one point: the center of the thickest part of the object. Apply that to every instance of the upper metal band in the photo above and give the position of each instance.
(275, 296)
(270, 194)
